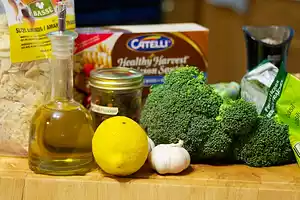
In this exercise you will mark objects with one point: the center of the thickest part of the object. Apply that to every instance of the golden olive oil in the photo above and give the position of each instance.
(60, 142)
(61, 134)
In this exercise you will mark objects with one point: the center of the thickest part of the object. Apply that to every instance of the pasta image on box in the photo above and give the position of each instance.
(153, 50)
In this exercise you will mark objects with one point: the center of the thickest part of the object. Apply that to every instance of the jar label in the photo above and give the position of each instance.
(104, 109)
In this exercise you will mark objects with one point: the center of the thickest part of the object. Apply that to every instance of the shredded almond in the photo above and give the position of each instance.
(21, 92)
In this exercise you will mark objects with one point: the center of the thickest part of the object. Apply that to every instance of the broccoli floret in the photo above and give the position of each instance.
(268, 145)
(184, 74)
(201, 98)
(237, 116)
(197, 135)
(171, 107)
(204, 138)
(218, 144)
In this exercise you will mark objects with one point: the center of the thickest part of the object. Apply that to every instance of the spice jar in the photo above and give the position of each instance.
(116, 91)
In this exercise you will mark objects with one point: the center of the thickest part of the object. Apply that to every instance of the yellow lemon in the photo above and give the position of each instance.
(120, 146)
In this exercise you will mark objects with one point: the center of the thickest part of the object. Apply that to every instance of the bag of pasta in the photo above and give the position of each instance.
(24, 67)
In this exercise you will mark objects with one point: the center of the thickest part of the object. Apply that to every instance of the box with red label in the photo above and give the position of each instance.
(152, 49)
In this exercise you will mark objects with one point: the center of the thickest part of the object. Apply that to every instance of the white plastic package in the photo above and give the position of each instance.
(23, 85)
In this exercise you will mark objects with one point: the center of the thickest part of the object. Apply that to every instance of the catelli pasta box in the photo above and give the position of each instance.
(154, 50)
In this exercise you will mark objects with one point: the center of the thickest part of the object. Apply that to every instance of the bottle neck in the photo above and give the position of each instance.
(62, 65)
(62, 78)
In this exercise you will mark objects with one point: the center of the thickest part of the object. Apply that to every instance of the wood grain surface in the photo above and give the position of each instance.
(200, 182)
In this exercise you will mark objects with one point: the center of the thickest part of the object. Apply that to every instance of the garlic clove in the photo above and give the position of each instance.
(151, 145)
(159, 161)
(169, 158)
(187, 158)
(178, 161)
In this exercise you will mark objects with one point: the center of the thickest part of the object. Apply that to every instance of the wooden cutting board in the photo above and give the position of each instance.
(200, 182)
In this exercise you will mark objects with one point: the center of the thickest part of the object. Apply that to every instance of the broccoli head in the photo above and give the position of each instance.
(268, 145)
(218, 144)
(172, 107)
(197, 135)
(237, 116)
(206, 140)
(184, 74)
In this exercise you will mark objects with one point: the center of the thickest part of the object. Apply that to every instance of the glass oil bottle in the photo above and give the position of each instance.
(61, 131)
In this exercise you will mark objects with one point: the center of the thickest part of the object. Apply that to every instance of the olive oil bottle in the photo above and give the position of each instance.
(61, 131)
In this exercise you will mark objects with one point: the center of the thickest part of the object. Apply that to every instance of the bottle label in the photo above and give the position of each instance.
(104, 109)
(29, 21)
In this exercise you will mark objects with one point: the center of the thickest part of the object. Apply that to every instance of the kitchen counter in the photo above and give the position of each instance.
(200, 182)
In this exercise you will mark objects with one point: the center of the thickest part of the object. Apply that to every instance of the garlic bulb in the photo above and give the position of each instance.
(169, 158)
(151, 145)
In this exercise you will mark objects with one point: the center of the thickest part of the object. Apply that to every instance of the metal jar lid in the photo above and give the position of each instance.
(116, 78)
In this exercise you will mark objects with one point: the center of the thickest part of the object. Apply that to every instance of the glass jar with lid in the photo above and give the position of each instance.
(116, 92)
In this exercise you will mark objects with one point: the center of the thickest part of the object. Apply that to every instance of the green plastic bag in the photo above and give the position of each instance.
(288, 111)
(283, 102)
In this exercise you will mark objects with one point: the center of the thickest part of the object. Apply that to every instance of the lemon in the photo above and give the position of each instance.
(120, 146)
